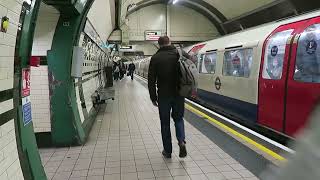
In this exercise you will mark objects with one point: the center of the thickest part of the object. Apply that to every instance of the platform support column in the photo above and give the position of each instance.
(66, 126)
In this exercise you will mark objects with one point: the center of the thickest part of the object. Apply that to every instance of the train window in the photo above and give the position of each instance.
(308, 56)
(274, 55)
(208, 63)
(238, 62)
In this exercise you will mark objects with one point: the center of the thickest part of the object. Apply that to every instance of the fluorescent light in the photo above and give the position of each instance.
(28, 1)
(175, 1)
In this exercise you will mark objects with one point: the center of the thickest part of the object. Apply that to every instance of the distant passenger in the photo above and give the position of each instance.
(275, 72)
(308, 56)
(131, 69)
(237, 68)
(163, 72)
(116, 72)
(122, 70)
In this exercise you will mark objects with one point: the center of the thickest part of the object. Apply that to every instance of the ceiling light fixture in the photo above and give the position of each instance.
(28, 1)
(175, 1)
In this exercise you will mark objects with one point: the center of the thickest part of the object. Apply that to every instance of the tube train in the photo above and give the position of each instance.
(266, 77)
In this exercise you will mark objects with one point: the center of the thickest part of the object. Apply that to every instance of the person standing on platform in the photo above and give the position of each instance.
(131, 69)
(122, 69)
(116, 72)
(163, 72)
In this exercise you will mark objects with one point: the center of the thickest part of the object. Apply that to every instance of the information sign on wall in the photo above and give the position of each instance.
(25, 82)
(152, 35)
(26, 110)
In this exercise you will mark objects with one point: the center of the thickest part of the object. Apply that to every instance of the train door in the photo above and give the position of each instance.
(304, 77)
(237, 83)
(207, 70)
(273, 76)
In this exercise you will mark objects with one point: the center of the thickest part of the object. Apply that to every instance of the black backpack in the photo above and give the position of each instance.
(187, 76)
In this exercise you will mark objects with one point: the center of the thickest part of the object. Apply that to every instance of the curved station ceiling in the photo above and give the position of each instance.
(229, 15)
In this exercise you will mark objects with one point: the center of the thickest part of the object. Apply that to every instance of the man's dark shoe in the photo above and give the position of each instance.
(166, 155)
(183, 150)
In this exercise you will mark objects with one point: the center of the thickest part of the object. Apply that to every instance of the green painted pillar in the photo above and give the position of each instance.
(26, 142)
(66, 126)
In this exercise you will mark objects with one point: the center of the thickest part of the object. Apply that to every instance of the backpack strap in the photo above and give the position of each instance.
(179, 52)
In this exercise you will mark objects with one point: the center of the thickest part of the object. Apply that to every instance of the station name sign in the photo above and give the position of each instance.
(152, 35)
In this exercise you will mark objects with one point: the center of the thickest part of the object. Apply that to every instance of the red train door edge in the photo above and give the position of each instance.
(304, 77)
(273, 76)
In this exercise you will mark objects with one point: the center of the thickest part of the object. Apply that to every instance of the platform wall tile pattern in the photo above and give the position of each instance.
(9, 160)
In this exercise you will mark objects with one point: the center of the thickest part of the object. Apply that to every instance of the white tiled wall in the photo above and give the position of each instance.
(89, 88)
(45, 28)
(79, 104)
(9, 160)
(11, 9)
(102, 17)
(40, 99)
(6, 106)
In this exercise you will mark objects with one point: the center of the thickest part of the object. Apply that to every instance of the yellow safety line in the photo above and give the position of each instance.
(237, 134)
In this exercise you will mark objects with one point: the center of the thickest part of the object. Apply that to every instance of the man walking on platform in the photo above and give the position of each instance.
(131, 69)
(163, 71)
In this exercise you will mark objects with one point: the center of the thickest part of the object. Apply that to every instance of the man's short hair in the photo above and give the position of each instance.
(163, 41)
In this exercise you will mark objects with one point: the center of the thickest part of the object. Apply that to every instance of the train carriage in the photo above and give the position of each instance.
(263, 75)
(267, 76)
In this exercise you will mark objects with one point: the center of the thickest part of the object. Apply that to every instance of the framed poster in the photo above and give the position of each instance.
(25, 91)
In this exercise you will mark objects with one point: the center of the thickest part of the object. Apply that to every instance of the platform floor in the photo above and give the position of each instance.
(125, 143)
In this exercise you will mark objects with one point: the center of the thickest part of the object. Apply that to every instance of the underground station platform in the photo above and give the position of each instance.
(125, 143)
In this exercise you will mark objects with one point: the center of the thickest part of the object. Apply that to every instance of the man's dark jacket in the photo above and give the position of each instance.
(132, 67)
(163, 71)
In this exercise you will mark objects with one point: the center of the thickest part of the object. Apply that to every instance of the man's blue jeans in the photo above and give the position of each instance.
(176, 105)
